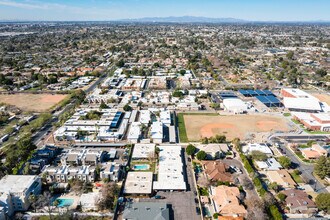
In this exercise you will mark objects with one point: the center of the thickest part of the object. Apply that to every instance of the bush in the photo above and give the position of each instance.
(274, 213)
(215, 215)
(281, 197)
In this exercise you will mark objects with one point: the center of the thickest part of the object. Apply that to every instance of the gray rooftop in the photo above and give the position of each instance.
(147, 211)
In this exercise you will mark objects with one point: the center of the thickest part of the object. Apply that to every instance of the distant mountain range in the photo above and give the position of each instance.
(186, 19)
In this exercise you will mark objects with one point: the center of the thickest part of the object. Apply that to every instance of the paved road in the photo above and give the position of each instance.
(306, 171)
(38, 136)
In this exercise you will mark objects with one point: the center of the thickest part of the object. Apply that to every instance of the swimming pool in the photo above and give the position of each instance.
(141, 167)
(64, 202)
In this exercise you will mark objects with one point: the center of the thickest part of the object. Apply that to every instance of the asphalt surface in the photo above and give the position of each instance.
(306, 171)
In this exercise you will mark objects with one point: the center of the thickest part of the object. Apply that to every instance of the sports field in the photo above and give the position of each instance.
(232, 125)
(323, 97)
(32, 102)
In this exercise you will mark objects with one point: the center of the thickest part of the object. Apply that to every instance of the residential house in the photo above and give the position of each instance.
(214, 151)
(217, 171)
(226, 201)
(298, 201)
(269, 164)
(315, 152)
(282, 178)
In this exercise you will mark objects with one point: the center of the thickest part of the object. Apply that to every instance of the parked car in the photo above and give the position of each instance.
(158, 197)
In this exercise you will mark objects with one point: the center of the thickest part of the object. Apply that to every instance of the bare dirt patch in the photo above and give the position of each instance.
(232, 125)
(323, 97)
(32, 102)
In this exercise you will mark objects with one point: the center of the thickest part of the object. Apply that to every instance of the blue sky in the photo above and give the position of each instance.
(257, 10)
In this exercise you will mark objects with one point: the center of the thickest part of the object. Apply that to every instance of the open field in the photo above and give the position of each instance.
(232, 126)
(32, 102)
(323, 97)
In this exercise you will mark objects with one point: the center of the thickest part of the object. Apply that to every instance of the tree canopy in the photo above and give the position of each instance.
(258, 155)
(190, 150)
(201, 155)
(322, 167)
(322, 202)
(285, 162)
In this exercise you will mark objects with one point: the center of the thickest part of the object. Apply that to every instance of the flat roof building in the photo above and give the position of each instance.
(138, 183)
(15, 191)
(170, 170)
(143, 151)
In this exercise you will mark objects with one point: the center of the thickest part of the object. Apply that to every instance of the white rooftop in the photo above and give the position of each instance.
(143, 151)
(170, 171)
(269, 164)
(311, 104)
(16, 183)
(257, 147)
(138, 183)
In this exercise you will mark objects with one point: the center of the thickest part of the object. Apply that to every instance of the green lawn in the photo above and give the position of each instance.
(182, 128)
(287, 114)
(296, 178)
(316, 132)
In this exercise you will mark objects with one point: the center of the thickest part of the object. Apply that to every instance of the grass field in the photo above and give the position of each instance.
(232, 126)
(182, 128)
(32, 102)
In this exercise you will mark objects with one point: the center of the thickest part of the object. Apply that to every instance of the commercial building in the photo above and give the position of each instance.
(15, 191)
(235, 105)
(313, 121)
(300, 101)
(170, 169)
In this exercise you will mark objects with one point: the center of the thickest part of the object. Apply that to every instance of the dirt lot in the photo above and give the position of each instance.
(232, 125)
(323, 97)
(32, 102)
